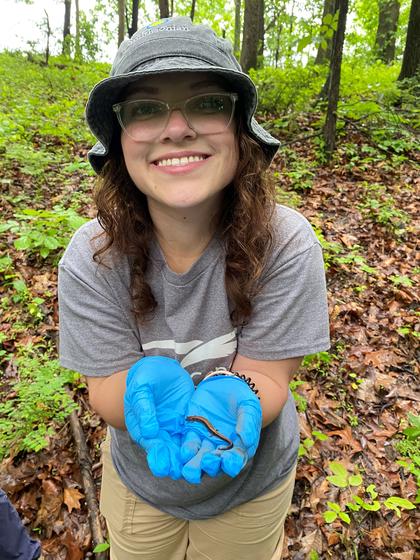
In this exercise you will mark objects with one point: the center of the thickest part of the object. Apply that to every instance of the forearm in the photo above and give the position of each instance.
(106, 397)
(273, 395)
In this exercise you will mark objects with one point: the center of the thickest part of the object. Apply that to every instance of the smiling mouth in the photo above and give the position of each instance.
(185, 160)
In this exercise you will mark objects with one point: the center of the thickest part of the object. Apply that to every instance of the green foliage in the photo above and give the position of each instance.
(101, 547)
(301, 402)
(365, 499)
(43, 233)
(42, 110)
(380, 207)
(40, 404)
(409, 447)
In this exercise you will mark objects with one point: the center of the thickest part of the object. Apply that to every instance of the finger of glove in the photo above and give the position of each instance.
(163, 459)
(233, 461)
(248, 425)
(191, 445)
(191, 471)
(142, 402)
(211, 463)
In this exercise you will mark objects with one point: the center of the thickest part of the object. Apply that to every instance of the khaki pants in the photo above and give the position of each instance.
(138, 531)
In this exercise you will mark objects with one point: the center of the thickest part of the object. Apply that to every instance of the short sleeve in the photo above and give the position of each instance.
(290, 312)
(97, 335)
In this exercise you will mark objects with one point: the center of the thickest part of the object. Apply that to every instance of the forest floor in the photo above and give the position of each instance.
(354, 401)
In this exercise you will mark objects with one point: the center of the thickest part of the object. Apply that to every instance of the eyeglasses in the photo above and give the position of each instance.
(207, 113)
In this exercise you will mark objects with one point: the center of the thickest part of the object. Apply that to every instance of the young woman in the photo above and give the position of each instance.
(189, 303)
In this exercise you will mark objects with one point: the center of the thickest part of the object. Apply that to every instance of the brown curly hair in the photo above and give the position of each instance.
(245, 226)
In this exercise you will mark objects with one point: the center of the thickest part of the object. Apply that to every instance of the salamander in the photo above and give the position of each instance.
(212, 430)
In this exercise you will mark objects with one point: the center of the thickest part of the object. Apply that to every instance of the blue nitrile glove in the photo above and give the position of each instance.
(158, 390)
(233, 409)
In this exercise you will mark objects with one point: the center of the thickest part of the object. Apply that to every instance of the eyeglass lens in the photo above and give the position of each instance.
(144, 119)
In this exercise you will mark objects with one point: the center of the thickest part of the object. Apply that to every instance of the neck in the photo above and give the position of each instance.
(183, 234)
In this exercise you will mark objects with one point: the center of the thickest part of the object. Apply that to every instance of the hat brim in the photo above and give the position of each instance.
(102, 121)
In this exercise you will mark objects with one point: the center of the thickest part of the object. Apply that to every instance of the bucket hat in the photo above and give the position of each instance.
(170, 45)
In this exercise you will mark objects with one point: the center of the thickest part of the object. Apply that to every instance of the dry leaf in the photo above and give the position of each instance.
(72, 498)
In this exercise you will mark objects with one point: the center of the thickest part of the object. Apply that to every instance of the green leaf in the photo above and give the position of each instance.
(330, 516)
(319, 435)
(338, 481)
(353, 507)
(355, 480)
(344, 517)
(304, 42)
(371, 491)
(335, 507)
(24, 242)
(399, 502)
(327, 19)
(374, 506)
(338, 469)
(101, 547)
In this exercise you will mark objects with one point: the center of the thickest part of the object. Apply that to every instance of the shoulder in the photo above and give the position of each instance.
(85, 241)
(293, 234)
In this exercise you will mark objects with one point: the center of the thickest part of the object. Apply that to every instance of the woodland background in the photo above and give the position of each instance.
(339, 85)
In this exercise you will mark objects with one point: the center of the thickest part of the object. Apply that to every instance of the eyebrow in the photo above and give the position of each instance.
(154, 90)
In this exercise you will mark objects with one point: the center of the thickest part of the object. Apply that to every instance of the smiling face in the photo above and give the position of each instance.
(180, 168)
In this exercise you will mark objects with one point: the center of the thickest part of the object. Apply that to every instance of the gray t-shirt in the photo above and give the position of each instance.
(99, 336)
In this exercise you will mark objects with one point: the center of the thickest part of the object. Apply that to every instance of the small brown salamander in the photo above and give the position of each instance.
(213, 430)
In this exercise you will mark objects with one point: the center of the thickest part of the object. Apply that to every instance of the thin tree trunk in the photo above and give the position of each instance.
(164, 8)
(66, 27)
(250, 35)
(77, 49)
(334, 81)
(192, 13)
(121, 21)
(278, 33)
(47, 47)
(134, 18)
(237, 36)
(411, 58)
(324, 53)
(389, 11)
(261, 38)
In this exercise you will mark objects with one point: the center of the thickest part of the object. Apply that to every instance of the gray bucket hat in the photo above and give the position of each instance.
(170, 45)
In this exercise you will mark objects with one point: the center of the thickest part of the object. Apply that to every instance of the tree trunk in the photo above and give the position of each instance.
(260, 57)
(48, 31)
(411, 58)
(389, 11)
(237, 36)
(192, 13)
(334, 80)
(250, 35)
(66, 27)
(164, 8)
(77, 49)
(324, 53)
(121, 22)
(134, 18)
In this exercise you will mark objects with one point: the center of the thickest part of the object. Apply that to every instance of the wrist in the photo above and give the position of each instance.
(222, 371)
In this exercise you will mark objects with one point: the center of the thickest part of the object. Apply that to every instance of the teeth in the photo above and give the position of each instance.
(179, 161)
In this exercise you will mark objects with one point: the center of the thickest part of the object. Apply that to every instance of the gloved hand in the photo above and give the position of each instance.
(158, 390)
(233, 410)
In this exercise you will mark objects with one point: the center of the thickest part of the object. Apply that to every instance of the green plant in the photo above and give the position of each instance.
(38, 404)
(409, 447)
(43, 232)
(301, 402)
(308, 443)
(365, 499)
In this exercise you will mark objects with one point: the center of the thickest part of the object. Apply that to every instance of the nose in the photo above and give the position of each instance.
(177, 127)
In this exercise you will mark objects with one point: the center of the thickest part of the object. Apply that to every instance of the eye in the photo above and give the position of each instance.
(143, 110)
(209, 104)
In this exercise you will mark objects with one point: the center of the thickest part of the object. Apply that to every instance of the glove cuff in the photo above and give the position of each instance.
(226, 372)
